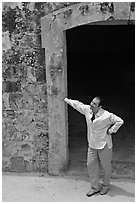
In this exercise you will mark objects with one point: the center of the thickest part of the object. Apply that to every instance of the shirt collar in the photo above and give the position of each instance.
(100, 112)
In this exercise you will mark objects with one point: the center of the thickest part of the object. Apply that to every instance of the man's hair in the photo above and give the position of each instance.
(100, 100)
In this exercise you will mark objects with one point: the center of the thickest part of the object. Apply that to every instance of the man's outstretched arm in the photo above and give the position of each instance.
(76, 105)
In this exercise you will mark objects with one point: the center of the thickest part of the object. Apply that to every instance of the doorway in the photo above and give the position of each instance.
(101, 61)
(53, 29)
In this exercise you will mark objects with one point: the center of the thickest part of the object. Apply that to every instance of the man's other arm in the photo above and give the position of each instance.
(117, 121)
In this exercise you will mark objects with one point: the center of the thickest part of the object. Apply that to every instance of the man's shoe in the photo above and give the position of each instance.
(104, 190)
(92, 192)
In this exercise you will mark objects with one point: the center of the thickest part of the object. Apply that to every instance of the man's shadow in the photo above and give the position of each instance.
(115, 191)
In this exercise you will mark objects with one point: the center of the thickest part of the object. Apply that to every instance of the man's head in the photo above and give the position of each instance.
(95, 104)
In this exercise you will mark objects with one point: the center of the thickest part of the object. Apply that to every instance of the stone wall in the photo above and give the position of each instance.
(25, 141)
(24, 109)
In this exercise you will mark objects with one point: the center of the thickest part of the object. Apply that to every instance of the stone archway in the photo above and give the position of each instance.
(54, 26)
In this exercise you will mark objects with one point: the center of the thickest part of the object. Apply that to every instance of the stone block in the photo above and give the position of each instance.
(5, 101)
(6, 42)
(31, 88)
(29, 166)
(17, 164)
(15, 101)
(12, 87)
(9, 114)
(23, 101)
(24, 120)
(5, 163)
(41, 75)
(30, 74)
(8, 73)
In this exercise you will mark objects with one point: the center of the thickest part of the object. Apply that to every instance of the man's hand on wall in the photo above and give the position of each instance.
(109, 131)
(65, 99)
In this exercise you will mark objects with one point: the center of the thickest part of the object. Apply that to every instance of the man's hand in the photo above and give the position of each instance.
(109, 131)
(65, 99)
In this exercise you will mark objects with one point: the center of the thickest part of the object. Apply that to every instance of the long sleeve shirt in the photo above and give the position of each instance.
(97, 129)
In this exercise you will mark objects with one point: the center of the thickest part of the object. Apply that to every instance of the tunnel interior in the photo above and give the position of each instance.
(101, 62)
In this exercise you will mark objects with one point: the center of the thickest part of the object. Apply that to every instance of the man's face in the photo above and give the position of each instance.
(94, 105)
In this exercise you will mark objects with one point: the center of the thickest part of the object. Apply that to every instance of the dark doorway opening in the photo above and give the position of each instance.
(101, 61)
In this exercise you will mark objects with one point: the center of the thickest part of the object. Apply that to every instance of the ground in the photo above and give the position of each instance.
(38, 188)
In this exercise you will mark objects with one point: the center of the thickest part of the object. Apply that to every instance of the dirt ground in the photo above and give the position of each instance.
(34, 188)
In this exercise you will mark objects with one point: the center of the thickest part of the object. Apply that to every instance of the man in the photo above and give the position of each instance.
(101, 124)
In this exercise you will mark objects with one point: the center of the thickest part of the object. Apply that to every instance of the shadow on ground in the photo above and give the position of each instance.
(118, 191)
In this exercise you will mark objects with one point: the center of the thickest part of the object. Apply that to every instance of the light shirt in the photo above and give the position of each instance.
(97, 130)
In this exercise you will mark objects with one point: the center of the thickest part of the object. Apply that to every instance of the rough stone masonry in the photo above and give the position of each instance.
(34, 124)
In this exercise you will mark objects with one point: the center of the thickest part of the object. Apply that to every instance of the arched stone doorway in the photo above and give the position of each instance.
(54, 26)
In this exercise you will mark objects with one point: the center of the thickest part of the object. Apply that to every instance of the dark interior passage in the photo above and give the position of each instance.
(101, 61)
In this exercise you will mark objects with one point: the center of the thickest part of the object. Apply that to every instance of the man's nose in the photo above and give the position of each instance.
(91, 106)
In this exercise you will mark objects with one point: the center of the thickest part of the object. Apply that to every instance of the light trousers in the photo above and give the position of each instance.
(95, 159)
